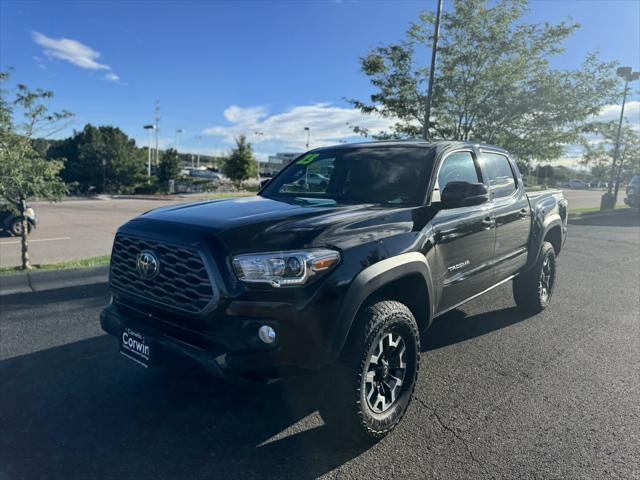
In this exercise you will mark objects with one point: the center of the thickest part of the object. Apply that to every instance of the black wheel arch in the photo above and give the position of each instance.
(550, 231)
(405, 278)
(9, 221)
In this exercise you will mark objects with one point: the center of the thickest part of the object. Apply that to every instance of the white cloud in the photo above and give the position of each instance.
(241, 115)
(70, 50)
(328, 124)
(631, 112)
(74, 52)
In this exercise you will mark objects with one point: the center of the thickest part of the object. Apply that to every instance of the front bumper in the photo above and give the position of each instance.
(235, 353)
(114, 322)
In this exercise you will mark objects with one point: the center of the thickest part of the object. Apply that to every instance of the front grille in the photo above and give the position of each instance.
(182, 281)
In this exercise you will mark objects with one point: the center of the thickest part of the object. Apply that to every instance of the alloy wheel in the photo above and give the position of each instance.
(545, 283)
(386, 370)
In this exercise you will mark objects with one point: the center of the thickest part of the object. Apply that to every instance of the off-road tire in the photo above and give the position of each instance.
(533, 289)
(343, 404)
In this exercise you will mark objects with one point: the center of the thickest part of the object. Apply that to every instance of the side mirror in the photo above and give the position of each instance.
(263, 183)
(464, 194)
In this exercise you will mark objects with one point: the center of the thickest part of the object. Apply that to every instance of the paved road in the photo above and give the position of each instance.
(500, 395)
(85, 228)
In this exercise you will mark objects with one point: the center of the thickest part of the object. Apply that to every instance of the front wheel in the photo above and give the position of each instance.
(16, 227)
(533, 289)
(368, 391)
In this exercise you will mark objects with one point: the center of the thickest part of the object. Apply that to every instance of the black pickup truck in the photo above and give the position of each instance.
(339, 278)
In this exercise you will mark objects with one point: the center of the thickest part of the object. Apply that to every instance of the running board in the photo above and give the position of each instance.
(475, 296)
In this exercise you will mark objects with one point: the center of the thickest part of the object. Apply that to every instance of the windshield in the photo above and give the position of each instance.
(395, 175)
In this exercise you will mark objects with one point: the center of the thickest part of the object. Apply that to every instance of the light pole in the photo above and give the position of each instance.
(157, 129)
(308, 130)
(609, 199)
(434, 48)
(178, 132)
(199, 142)
(104, 174)
(258, 138)
(148, 128)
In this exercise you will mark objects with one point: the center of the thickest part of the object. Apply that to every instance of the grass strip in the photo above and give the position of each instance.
(215, 196)
(67, 264)
(576, 211)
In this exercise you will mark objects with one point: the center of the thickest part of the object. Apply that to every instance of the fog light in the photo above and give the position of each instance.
(267, 334)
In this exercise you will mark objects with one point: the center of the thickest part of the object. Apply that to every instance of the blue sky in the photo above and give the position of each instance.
(220, 68)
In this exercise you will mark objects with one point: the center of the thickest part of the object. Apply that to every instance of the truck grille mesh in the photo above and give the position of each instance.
(182, 281)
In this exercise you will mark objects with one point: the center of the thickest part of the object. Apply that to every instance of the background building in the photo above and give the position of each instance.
(276, 162)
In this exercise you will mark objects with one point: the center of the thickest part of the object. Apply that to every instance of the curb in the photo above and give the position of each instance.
(143, 197)
(590, 215)
(31, 282)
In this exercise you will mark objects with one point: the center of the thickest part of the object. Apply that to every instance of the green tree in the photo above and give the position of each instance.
(546, 175)
(493, 81)
(24, 174)
(169, 167)
(241, 164)
(101, 158)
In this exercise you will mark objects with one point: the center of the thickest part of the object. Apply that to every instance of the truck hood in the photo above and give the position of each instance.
(259, 223)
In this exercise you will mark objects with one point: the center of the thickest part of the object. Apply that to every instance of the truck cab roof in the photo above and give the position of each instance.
(438, 144)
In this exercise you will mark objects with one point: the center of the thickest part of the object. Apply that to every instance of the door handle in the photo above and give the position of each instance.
(489, 221)
(524, 212)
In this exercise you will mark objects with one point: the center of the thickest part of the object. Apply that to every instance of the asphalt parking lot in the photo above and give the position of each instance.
(500, 395)
(85, 228)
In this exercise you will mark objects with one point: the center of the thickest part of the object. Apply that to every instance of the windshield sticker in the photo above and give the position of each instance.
(307, 159)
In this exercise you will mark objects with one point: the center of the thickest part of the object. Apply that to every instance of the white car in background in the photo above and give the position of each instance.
(208, 174)
(314, 180)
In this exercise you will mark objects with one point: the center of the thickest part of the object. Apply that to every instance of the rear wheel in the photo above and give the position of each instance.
(368, 391)
(533, 289)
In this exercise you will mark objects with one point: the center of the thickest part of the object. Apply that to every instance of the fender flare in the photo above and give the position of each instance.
(550, 222)
(373, 278)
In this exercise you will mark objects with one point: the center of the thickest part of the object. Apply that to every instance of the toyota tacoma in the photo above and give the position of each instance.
(340, 278)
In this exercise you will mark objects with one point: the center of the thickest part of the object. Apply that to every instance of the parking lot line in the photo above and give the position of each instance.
(37, 240)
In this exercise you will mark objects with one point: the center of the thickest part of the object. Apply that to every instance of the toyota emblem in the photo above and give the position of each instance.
(147, 265)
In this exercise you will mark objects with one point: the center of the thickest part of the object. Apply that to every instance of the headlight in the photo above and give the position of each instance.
(30, 213)
(284, 268)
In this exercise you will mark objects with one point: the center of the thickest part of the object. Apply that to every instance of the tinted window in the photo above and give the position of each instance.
(457, 167)
(392, 175)
(500, 176)
(313, 179)
(635, 180)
